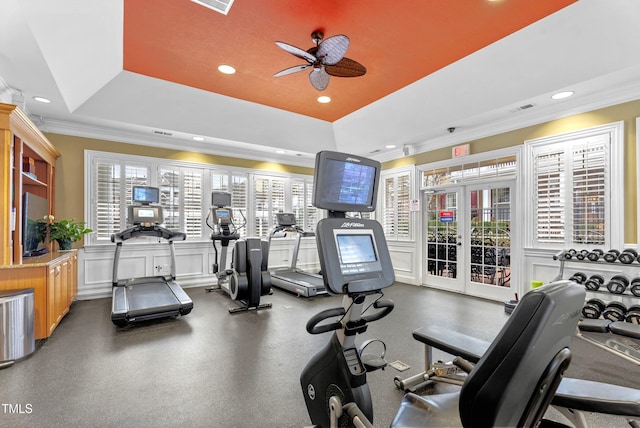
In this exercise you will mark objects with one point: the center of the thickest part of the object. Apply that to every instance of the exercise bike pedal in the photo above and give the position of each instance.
(373, 362)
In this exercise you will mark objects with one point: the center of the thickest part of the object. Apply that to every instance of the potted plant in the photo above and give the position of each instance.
(66, 232)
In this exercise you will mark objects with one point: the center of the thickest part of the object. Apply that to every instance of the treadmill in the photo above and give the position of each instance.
(305, 284)
(139, 299)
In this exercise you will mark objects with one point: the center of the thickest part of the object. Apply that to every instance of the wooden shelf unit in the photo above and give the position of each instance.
(53, 276)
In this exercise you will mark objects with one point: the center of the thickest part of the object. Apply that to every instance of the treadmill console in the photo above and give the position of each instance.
(145, 215)
(285, 219)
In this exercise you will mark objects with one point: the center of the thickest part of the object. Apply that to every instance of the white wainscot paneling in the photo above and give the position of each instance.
(193, 265)
(404, 260)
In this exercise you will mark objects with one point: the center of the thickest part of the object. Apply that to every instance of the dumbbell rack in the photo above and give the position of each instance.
(627, 347)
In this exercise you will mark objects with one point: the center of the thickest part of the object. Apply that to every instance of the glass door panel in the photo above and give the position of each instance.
(490, 240)
(443, 256)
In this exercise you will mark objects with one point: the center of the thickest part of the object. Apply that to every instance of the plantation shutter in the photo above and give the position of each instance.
(269, 197)
(550, 192)
(107, 200)
(571, 191)
(193, 203)
(388, 212)
(181, 199)
(402, 206)
(395, 210)
(589, 190)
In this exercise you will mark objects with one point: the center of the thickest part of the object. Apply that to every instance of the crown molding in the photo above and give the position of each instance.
(211, 146)
(519, 120)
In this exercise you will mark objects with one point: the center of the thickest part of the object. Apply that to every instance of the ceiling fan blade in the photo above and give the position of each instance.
(332, 50)
(292, 70)
(319, 78)
(297, 52)
(346, 68)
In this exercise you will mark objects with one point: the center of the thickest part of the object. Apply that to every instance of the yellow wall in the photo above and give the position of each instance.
(70, 166)
(626, 112)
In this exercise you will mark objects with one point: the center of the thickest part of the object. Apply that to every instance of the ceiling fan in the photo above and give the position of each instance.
(326, 59)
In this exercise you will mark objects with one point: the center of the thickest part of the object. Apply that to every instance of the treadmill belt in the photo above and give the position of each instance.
(301, 278)
(150, 297)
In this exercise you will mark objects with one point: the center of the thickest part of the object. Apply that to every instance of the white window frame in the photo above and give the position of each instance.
(153, 165)
(614, 205)
(395, 174)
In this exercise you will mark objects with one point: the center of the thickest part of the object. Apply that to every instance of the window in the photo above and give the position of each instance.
(185, 189)
(236, 184)
(112, 181)
(269, 199)
(301, 197)
(396, 188)
(181, 198)
(573, 191)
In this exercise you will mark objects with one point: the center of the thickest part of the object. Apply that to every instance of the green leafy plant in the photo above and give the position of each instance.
(69, 230)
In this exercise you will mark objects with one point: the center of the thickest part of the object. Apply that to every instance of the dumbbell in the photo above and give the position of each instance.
(617, 284)
(593, 308)
(615, 311)
(611, 256)
(635, 287)
(569, 254)
(595, 255)
(594, 282)
(633, 314)
(628, 256)
(578, 277)
(582, 254)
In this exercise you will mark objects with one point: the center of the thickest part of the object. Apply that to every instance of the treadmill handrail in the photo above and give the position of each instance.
(155, 230)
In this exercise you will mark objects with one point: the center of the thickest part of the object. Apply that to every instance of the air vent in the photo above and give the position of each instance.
(524, 107)
(168, 134)
(375, 151)
(221, 6)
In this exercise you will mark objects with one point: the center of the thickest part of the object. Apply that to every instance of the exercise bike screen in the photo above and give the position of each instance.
(350, 183)
(356, 248)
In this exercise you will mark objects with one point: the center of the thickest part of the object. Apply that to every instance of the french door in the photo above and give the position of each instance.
(468, 239)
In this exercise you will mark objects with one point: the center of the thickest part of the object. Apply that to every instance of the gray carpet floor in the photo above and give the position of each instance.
(214, 369)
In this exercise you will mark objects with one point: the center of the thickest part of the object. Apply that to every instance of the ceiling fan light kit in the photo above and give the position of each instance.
(326, 59)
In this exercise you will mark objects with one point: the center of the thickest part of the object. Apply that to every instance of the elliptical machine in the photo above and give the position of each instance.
(356, 263)
(249, 278)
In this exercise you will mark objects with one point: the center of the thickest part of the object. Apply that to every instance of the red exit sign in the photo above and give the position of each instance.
(462, 150)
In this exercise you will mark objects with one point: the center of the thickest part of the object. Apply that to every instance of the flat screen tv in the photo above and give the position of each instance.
(146, 195)
(34, 211)
(345, 183)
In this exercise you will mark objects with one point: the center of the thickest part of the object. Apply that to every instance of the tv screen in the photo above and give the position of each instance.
(34, 211)
(345, 183)
(146, 195)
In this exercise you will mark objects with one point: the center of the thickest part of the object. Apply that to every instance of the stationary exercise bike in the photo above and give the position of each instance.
(355, 262)
(249, 278)
(512, 384)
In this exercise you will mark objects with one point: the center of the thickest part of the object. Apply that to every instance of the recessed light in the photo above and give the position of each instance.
(561, 95)
(280, 152)
(42, 99)
(198, 138)
(390, 146)
(324, 99)
(226, 69)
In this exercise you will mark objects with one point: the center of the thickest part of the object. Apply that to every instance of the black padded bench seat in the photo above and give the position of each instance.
(575, 394)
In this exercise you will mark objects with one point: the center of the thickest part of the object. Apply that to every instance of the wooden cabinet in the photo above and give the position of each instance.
(53, 277)
(27, 164)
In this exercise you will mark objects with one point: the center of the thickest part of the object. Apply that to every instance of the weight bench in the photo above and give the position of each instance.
(572, 397)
